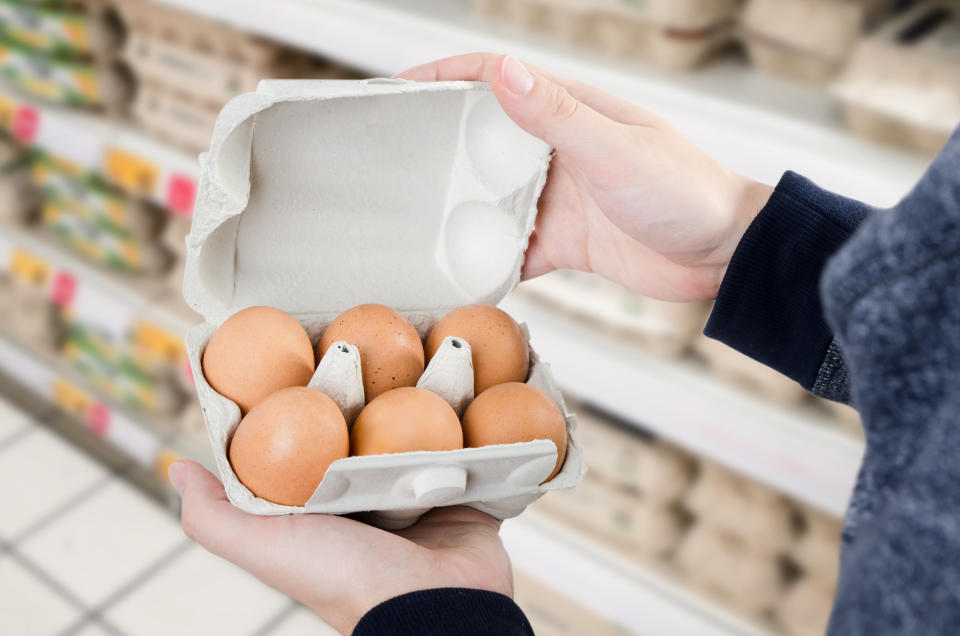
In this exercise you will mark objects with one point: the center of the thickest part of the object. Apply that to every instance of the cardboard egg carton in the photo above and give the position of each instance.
(739, 369)
(663, 328)
(902, 85)
(809, 40)
(724, 567)
(206, 60)
(743, 509)
(175, 117)
(317, 196)
(672, 34)
(805, 608)
(625, 520)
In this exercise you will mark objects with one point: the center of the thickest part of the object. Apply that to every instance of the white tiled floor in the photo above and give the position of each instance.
(28, 607)
(84, 554)
(198, 593)
(39, 473)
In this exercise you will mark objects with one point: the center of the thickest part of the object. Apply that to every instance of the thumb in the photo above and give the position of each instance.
(547, 110)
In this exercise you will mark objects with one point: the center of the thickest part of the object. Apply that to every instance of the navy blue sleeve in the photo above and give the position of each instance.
(768, 306)
(445, 612)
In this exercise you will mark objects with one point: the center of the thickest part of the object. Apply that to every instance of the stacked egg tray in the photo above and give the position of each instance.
(187, 67)
(673, 331)
(696, 523)
(63, 52)
(675, 35)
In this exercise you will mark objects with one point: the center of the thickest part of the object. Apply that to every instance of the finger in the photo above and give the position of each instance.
(208, 517)
(535, 262)
(483, 67)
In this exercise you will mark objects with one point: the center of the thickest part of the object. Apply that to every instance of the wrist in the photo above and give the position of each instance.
(746, 199)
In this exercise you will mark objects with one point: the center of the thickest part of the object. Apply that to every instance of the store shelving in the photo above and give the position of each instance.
(120, 154)
(640, 600)
(759, 125)
(52, 382)
(793, 450)
(111, 301)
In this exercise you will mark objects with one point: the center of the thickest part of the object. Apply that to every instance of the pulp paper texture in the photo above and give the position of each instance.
(317, 196)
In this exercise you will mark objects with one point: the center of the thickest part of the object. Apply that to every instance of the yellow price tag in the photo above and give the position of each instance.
(152, 342)
(164, 459)
(69, 398)
(28, 268)
(8, 109)
(131, 172)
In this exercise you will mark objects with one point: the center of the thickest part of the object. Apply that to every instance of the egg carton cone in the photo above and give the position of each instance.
(817, 550)
(19, 200)
(809, 40)
(901, 85)
(316, 196)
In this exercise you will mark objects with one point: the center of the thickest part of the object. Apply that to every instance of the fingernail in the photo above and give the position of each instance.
(515, 76)
(178, 476)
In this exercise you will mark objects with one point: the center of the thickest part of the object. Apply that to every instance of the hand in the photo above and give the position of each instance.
(628, 197)
(338, 567)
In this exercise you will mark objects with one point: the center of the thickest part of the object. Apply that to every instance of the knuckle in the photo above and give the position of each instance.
(562, 105)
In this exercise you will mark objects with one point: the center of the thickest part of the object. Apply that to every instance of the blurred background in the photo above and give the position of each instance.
(715, 490)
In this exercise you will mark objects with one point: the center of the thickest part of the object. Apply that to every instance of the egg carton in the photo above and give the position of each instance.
(207, 60)
(901, 86)
(739, 369)
(670, 33)
(809, 40)
(317, 196)
(177, 118)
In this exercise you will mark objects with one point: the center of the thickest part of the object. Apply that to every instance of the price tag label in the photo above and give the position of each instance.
(28, 268)
(181, 193)
(64, 289)
(157, 344)
(98, 418)
(131, 172)
(8, 108)
(26, 123)
(69, 398)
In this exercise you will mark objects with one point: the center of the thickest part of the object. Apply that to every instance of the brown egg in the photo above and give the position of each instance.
(515, 412)
(500, 351)
(255, 352)
(282, 448)
(403, 420)
(391, 353)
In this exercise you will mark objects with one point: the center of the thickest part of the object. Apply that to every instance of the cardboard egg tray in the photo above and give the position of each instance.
(672, 34)
(317, 196)
(809, 40)
(901, 86)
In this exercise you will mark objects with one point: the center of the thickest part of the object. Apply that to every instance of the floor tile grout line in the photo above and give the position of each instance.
(47, 579)
(158, 565)
(54, 515)
(85, 621)
(276, 620)
(16, 436)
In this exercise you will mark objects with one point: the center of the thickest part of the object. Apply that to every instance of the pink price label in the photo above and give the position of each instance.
(26, 122)
(98, 419)
(64, 289)
(188, 372)
(181, 193)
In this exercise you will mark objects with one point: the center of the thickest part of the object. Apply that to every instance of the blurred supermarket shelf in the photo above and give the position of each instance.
(92, 144)
(112, 301)
(795, 451)
(46, 378)
(753, 123)
(624, 593)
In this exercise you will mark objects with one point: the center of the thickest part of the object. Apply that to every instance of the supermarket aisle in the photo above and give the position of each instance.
(83, 553)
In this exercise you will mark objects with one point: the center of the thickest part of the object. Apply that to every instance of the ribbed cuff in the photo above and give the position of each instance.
(768, 306)
(445, 612)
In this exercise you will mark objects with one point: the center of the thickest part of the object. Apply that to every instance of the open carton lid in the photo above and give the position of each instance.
(320, 195)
